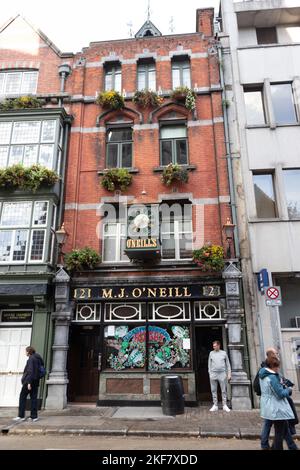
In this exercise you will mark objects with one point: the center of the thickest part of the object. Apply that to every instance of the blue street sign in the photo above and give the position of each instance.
(263, 280)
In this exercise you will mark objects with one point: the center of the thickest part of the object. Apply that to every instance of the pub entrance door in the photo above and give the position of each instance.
(205, 335)
(84, 362)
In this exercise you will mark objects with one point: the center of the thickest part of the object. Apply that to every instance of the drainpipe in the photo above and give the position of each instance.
(64, 71)
(229, 157)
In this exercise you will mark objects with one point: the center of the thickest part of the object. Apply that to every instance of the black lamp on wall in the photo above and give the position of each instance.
(228, 229)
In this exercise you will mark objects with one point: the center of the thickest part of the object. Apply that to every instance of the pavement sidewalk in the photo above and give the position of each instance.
(138, 421)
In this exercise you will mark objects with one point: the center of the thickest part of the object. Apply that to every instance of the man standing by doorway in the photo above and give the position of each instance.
(219, 371)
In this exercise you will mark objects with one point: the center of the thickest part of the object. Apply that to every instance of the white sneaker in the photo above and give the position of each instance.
(18, 418)
(214, 408)
(225, 408)
(33, 419)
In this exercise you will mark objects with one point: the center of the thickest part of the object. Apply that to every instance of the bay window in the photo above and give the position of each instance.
(28, 142)
(18, 83)
(23, 227)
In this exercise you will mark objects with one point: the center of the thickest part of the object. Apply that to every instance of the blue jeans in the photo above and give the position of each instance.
(265, 433)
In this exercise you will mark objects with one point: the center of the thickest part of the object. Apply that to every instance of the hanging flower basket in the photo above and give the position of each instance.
(84, 258)
(209, 258)
(174, 172)
(186, 95)
(22, 102)
(116, 179)
(110, 100)
(147, 99)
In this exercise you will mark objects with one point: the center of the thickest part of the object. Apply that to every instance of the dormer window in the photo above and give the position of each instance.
(18, 83)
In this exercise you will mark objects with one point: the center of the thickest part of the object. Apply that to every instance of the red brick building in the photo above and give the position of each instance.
(147, 308)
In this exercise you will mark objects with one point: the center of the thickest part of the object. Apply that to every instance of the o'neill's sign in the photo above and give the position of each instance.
(143, 232)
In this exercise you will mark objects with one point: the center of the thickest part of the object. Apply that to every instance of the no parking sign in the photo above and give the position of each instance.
(273, 296)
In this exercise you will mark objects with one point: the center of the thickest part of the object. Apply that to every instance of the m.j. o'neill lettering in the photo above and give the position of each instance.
(146, 292)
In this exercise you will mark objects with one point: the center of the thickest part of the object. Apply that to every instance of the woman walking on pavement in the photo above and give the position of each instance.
(273, 404)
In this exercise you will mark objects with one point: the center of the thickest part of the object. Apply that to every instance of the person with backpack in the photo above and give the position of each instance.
(34, 370)
(266, 429)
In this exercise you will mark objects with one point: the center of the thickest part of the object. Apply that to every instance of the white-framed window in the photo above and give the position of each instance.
(146, 76)
(18, 83)
(177, 235)
(181, 73)
(27, 142)
(23, 231)
(113, 77)
(119, 148)
(114, 242)
(173, 145)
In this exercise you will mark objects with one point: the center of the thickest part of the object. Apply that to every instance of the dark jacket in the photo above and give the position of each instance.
(32, 369)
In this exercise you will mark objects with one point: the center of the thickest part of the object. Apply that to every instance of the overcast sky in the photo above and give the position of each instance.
(72, 25)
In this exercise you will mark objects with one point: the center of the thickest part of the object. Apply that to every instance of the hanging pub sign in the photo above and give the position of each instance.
(143, 232)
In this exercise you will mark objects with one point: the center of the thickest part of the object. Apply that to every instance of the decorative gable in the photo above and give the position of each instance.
(148, 30)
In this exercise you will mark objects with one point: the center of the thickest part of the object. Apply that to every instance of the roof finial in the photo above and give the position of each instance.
(148, 11)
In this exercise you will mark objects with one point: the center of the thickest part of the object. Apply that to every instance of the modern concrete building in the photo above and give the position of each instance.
(260, 61)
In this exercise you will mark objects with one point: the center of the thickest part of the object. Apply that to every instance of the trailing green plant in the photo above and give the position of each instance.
(116, 178)
(174, 172)
(28, 178)
(209, 257)
(82, 258)
(147, 99)
(111, 99)
(21, 102)
(183, 93)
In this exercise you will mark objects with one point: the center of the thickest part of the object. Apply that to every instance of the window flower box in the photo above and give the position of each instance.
(116, 179)
(21, 102)
(27, 178)
(147, 99)
(174, 172)
(110, 100)
(209, 258)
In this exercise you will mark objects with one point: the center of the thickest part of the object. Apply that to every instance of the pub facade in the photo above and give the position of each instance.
(147, 309)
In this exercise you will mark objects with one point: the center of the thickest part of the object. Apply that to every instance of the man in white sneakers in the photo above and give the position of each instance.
(219, 370)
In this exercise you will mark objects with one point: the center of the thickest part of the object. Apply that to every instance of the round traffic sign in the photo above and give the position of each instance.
(272, 293)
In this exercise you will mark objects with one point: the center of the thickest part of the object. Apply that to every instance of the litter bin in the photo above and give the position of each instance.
(172, 395)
